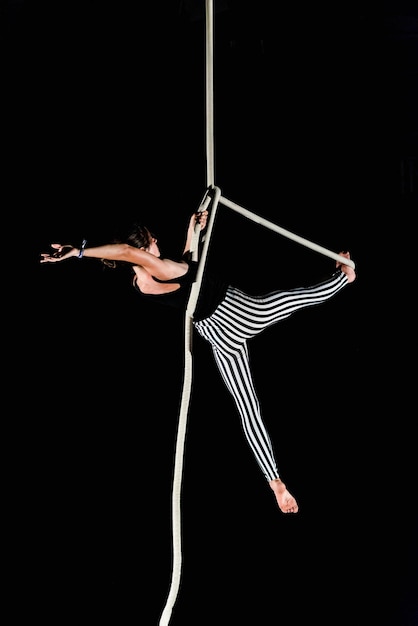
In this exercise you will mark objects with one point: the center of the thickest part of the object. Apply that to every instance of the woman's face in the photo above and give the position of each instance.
(152, 246)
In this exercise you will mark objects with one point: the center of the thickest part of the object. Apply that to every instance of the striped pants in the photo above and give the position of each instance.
(240, 317)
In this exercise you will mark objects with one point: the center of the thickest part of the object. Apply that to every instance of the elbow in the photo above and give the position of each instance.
(125, 252)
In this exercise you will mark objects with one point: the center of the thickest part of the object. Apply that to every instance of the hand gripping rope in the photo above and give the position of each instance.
(210, 202)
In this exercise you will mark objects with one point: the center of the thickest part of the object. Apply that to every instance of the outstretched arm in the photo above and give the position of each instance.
(60, 252)
(164, 269)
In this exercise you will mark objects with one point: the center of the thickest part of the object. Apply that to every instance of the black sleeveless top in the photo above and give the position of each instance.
(212, 292)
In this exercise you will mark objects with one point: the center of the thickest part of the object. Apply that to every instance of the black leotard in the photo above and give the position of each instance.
(211, 294)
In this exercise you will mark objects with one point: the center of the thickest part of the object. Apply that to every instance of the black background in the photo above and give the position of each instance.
(316, 130)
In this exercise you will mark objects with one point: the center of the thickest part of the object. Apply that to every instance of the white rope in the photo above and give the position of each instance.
(184, 409)
(188, 326)
(210, 152)
(213, 196)
(286, 233)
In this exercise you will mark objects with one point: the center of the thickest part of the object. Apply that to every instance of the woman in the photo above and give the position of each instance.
(224, 315)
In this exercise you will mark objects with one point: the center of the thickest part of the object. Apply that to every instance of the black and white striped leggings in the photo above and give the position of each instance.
(240, 317)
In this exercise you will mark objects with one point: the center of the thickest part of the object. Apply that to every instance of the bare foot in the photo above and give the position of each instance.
(285, 500)
(348, 271)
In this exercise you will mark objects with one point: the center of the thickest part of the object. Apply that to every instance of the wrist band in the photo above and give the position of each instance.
(83, 245)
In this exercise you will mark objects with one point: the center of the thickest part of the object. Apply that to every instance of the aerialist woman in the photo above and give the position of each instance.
(224, 315)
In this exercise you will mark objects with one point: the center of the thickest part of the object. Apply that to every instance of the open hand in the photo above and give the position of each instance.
(59, 253)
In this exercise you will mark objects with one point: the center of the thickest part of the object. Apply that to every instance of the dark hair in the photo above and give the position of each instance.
(137, 236)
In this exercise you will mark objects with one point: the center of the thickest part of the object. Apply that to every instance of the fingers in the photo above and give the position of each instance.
(60, 253)
(201, 218)
(50, 258)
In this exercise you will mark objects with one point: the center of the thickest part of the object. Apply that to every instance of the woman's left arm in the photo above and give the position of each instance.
(112, 252)
(164, 269)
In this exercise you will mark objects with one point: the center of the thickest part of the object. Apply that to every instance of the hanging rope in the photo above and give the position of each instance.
(184, 409)
(210, 202)
(188, 325)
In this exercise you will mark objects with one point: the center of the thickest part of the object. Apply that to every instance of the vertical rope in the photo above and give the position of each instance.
(213, 194)
(188, 328)
(210, 167)
(177, 479)
(182, 423)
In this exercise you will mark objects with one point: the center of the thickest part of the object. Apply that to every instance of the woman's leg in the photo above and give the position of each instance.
(236, 373)
(238, 318)
(235, 370)
(243, 316)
